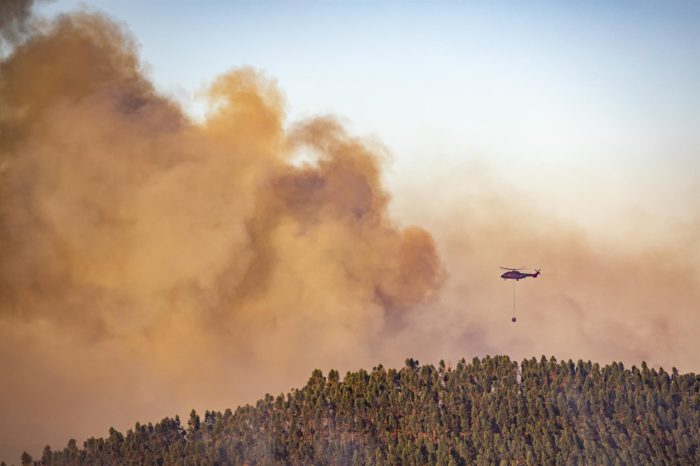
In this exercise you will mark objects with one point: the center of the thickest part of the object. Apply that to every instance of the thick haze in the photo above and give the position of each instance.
(150, 263)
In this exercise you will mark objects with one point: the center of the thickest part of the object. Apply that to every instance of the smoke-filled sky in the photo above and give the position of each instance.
(202, 202)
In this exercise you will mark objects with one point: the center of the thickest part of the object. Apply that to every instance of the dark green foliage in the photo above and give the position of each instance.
(490, 412)
(27, 459)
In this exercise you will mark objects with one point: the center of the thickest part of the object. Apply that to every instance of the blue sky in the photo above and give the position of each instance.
(590, 110)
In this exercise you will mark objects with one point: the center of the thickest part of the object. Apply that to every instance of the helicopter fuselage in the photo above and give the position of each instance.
(517, 275)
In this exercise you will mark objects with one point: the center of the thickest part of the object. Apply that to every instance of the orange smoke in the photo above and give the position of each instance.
(191, 256)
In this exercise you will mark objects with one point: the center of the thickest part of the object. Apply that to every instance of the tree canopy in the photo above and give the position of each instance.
(490, 411)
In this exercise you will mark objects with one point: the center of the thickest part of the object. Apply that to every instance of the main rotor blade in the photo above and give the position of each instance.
(519, 268)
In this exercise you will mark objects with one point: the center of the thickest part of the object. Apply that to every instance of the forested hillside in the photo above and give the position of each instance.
(489, 411)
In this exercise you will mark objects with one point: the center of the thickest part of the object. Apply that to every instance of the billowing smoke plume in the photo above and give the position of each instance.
(122, 216)
(128, 231)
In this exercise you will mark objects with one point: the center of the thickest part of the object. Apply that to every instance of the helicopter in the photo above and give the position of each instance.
(516, 274)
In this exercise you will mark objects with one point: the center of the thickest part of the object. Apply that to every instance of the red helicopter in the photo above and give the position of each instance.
(516, 274)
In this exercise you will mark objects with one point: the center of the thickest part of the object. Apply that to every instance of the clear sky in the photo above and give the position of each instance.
(590, 109)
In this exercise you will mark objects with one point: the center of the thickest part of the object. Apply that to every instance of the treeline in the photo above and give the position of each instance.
(491, 411)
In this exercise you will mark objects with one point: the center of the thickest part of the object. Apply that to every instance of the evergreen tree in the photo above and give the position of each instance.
(26, 459)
